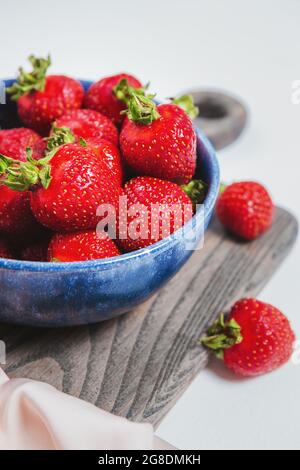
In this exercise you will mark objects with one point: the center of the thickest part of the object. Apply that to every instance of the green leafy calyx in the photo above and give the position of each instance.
(222, 188)
(28, 82)
(22, 176)
(222, 335)
(140, 105)
(59, 136)
(196, 190)
(186, 102)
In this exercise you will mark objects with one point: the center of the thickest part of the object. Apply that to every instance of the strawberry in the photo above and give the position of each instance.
(41, 99)
(245, 209)
(16, 217)
(158, 141)
(105, 150)
(256, 339)
(14, 142)
(81, 246)
(102, 98)
(67, 186)
(157, 198)
(5, 251)
(111, 157)
(90, 125)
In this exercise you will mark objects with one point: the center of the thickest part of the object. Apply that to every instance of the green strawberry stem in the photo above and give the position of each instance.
(196, 190)
(222, 335)
(222, 188)
(124, 91)
(187, 104)
(59, 136)
(22, 176)
(30, 81)
(140, 106)
(83, 142)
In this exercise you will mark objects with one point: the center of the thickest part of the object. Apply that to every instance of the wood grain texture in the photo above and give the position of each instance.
(139, 364)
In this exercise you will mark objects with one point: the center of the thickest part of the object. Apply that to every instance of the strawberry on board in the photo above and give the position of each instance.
(156, 222)
(158, 141)
(102, 97)
(257, 338)
(14, 142)
(5, 251)
(245, 209)
(66, 186)
(43, 98)
(90, 125)
(81, 246)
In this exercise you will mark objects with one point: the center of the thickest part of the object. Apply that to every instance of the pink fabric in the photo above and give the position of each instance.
(34, 415)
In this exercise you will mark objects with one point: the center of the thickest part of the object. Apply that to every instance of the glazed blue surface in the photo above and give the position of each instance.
(60, 294)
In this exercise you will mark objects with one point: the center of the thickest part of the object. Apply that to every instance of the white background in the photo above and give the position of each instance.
(251, 48)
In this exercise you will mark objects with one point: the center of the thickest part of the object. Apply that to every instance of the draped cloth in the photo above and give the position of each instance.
(35, 415)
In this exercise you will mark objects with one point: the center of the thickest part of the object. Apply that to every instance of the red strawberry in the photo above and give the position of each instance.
(5, 251)
(41, 99)
(81, 246)
(157, 198)
(90, 125)
(67, 187)
(101, 96)
(105, 150)
(256, 339)
(16, 217)
(14, 142)
(111, 156)
(159, 140)
(245, 209)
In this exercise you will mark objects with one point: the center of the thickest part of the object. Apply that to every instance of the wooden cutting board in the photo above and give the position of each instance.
(138, 365)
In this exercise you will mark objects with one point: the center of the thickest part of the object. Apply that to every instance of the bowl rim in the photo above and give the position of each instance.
(156, 248)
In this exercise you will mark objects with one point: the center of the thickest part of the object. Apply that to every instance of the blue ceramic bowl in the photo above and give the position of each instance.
(60, 294)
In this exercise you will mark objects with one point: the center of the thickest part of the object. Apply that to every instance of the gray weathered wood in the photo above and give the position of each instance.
(138, 365)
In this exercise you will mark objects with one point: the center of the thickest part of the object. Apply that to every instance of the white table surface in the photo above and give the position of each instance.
(250, 48)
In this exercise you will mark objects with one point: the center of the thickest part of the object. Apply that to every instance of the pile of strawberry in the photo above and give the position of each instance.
(81, 150)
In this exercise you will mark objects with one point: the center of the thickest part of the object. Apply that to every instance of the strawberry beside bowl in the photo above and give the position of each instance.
(61, 294)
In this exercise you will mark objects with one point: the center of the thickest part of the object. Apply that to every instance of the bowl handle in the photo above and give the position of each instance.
(222, 117)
